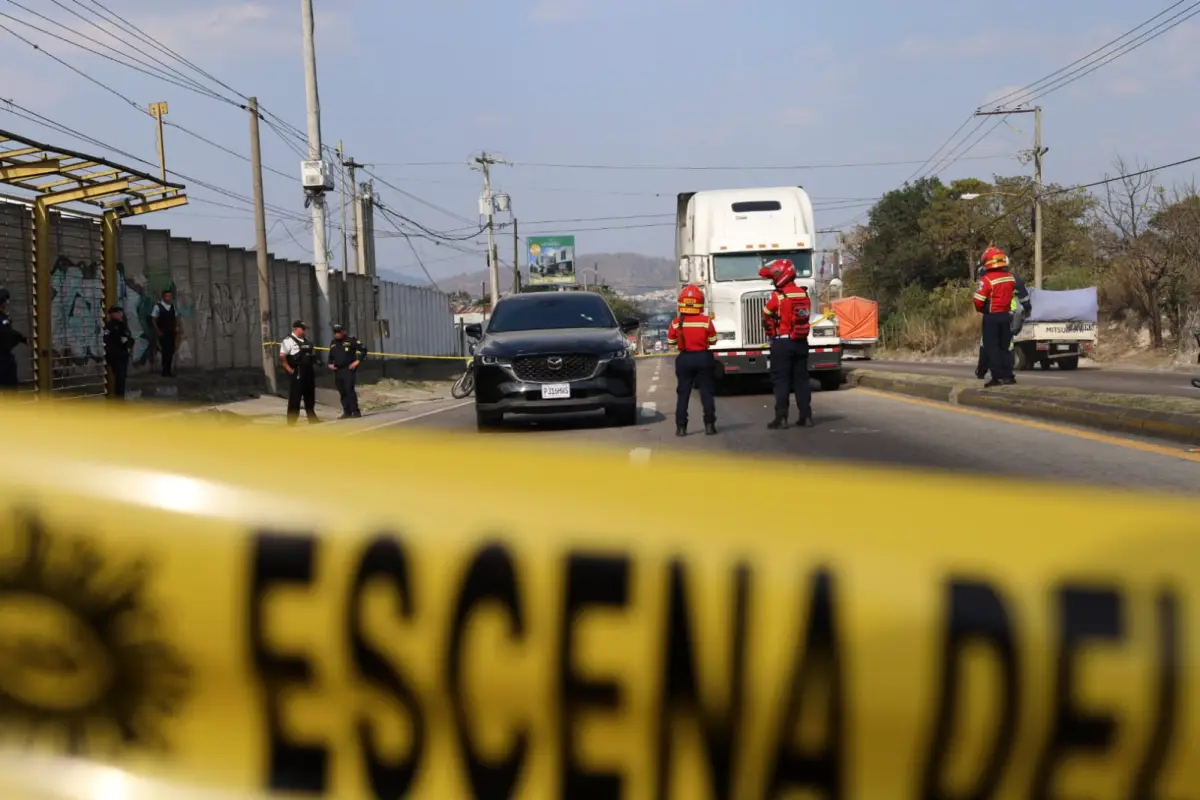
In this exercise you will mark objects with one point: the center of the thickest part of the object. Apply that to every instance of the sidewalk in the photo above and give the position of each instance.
(271, 410)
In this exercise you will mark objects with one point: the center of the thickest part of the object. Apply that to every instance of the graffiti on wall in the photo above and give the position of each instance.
(77, 316)
(223, 311)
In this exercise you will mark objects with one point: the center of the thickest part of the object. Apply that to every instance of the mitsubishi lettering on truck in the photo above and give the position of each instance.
(722, 239)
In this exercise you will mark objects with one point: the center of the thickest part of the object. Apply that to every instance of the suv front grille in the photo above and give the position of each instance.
(752, 326)
(539, 369)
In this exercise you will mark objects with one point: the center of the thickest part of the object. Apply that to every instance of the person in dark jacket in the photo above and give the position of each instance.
(346, 353)
(10, 337)
(118, 349)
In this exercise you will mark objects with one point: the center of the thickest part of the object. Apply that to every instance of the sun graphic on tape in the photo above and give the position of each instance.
(82, 666)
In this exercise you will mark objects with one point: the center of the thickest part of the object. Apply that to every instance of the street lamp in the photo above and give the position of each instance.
(1037, 227)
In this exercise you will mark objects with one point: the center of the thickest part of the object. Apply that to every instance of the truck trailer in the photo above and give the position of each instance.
(722, 238)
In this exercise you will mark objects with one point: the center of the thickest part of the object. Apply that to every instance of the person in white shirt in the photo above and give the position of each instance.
(166, 324)
(298, 358)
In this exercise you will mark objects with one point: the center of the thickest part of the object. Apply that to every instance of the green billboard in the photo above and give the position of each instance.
(551, 259)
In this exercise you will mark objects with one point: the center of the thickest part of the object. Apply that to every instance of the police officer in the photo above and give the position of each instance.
(9, 338)
(993, 299)
(693, 333)
(166, 324)
(299, 360)
(345, 355)
(118, 349)
(786, 316)
(1022, 307)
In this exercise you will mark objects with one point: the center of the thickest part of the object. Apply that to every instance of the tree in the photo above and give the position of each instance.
(621, 306)
(1139, 269)
(891, 252)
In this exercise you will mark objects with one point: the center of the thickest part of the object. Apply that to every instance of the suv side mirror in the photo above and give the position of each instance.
(630, 324)
(474, 330)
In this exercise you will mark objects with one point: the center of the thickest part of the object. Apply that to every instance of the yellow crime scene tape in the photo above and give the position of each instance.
(225, 613)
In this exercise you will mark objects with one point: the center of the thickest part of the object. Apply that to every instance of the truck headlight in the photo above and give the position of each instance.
(726, 335)
(824, 332)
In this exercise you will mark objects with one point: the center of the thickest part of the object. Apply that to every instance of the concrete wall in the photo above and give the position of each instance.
(216, 289)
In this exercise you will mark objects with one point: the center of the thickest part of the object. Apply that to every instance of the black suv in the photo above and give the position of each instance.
(554, 352)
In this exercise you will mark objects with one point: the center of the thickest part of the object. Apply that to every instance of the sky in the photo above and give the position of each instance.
(763, 89)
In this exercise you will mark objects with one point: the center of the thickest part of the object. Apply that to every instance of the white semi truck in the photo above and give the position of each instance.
(722, 238)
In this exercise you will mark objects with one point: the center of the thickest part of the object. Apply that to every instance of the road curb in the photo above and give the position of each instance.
(1177, 427)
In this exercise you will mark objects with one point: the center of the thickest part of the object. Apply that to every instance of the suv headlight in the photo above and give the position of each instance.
(616, 355)
(493, 361)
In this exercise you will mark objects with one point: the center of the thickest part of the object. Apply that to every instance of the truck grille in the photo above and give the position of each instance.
(539, 369)
(752, 329)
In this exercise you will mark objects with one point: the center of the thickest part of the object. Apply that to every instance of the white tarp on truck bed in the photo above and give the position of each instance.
(1075, 305)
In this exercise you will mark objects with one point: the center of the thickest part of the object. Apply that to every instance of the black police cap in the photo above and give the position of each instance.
(300, 324)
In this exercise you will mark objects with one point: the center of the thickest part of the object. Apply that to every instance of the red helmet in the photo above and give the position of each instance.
(780, 272)
(993, 258)
(691, 300)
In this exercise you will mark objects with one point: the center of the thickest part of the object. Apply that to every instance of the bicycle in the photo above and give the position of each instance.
(465, 385)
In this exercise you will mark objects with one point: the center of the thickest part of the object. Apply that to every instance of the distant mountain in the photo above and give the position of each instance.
(400, 277)
(630, 273)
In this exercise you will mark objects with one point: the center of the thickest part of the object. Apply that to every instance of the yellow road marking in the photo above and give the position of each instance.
(1131, 444)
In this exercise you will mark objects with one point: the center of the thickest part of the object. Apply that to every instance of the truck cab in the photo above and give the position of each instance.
(722, 239)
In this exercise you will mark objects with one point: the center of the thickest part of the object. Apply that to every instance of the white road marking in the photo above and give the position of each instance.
(649, 410)
(390, 423)
(653, 386)
(639, 455)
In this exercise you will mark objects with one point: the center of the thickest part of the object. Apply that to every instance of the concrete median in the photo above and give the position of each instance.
(1176, 419)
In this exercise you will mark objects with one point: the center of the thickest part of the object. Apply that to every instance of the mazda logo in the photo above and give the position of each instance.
(554, 362)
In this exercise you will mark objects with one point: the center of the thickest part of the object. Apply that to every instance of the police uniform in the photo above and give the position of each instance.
(786, 320)
(993, 299)
(693, 333)
(301, 358)
(166, 323)
(346, 354)
(10, 337)
(118, 349)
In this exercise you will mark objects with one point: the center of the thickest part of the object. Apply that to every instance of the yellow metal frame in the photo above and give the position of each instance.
(56, 177)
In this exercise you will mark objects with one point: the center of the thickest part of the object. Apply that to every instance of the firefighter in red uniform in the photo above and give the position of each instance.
(693, 333)
(786, 319)
(993, 298)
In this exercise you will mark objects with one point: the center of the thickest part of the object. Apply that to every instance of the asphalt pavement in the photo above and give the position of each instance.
(1089, 376)
(852, 425)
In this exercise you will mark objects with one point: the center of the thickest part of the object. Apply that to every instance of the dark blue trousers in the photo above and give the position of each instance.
(695, 369)
(997, 336)
(789, 375)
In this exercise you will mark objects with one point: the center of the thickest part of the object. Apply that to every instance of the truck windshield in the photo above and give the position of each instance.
(745, 266)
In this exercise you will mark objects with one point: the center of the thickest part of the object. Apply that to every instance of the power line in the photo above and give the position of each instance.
(743, 168)
(1087, 64)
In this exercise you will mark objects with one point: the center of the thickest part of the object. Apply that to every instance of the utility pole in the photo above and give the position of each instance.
(345, 320)
(158, 111)
(316, 195)
(352, 167)
(516, 259)
(1038, 152)
(483, 163)
(260, 254)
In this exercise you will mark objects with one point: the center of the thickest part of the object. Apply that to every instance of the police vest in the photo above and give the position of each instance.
(304, 356)
(166, 319)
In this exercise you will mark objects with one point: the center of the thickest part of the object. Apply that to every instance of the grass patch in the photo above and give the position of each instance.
(1143, 402)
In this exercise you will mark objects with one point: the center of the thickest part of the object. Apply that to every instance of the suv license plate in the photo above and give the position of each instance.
(556, 391)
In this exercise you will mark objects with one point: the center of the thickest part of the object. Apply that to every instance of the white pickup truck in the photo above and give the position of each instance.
(1061, 328)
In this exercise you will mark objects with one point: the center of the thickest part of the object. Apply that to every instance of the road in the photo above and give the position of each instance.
(852, 425)
(1088, 377)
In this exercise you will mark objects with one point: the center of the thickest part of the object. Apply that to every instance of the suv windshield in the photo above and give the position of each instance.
(553, 311)
(745, 266)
